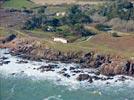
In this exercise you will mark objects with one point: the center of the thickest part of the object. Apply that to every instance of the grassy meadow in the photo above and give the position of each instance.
(20, 4)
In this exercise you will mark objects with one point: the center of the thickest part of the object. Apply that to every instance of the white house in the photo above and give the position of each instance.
(60, 13)
(62, 40)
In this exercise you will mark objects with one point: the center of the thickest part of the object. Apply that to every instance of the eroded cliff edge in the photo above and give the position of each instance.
(33, 49)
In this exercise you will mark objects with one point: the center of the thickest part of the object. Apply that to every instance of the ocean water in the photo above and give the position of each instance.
(22, 82)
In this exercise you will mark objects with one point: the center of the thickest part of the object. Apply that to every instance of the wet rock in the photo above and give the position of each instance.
(71, 68)
(6, 62)
(122, 78)
(61, 72)
(103, 79)
(6, 53)
(46, 68)
(73, 74)
(1, 64)
(107, 83)
(3, 58)
(110, 78)
(76, 71)
(97, 72)
(127, 67)
(34, 68)
(131, 71)
(64, 69)
(22, 71)
(22, 61)
(66, 75)
(83, 77)
(96, 78)
(90, 80)
(13, 73)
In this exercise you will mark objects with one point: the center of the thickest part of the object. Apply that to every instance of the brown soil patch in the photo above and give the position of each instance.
(12, 19)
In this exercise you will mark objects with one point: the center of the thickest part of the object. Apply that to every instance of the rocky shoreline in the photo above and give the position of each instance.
(31, 49)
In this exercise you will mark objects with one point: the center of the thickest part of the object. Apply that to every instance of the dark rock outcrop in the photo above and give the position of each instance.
(83, 77)
(46, 68)
(9, 38)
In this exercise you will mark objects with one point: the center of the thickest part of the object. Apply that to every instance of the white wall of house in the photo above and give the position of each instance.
(60, 13)
(62, 40)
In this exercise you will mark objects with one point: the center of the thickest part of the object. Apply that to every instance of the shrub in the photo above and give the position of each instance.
(114, 34)
(102, 27)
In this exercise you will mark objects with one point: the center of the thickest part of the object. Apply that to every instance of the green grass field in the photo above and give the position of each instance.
(19, 4)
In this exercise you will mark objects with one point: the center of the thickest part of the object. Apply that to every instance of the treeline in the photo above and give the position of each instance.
(122, 9)
(119, 15)
(70, 24)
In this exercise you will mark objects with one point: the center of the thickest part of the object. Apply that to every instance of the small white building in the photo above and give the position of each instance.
(62, 40)
(60, 13)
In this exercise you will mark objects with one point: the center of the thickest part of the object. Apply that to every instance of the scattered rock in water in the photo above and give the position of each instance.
(110, 78)
(73, 74)
(22, 71)
(64, 69)
(13, 73)
(96, 78)
(46, 68)
(1, 63)
(71, 68)
(61, 72)
(122, 78)
(97, 73)
(22, 61)
(66, 75)
(6, 53)
(3, 58)
(34, 68)
(107, 83)
(90, 80)
(76, 71)
(83, 77)
(6, 62)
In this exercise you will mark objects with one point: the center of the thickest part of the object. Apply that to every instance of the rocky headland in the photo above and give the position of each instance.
(32, 49)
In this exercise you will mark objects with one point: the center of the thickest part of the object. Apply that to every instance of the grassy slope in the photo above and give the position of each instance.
(85, 46)
(20, 4)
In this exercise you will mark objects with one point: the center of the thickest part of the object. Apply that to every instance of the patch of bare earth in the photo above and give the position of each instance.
(12, 19)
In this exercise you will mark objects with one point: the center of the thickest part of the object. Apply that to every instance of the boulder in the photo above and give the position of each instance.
(83, 77)
(46, 68)
(9, 38)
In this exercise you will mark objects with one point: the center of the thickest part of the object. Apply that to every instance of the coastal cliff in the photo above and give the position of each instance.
(33, 49)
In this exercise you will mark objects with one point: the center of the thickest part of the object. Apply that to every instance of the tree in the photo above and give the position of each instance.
(42, 9)
(122, 9)
(75, 15)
